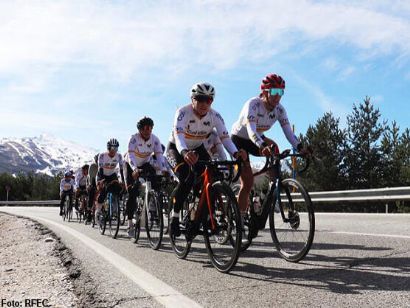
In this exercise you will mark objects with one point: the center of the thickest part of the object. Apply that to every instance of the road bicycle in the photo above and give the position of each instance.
(149, 210)
(289, 208)
(109, 214)
(67, 209)
(210, 209)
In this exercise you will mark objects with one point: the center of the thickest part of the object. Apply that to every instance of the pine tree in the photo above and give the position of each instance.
(328, 143)
(364, 160)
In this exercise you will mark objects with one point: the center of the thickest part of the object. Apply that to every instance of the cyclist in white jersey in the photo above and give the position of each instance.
(67, 187)
(214, 147)
(107, 164)
(257, 116)
(193, 125)
(81, 184)
(141, 147)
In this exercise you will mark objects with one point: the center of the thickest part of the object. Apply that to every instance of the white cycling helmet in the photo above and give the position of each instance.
(203, 88)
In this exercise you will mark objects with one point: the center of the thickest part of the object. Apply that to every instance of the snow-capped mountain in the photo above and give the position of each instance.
(44, 154)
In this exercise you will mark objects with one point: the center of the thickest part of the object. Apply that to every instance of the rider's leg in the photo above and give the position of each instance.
(246, 187)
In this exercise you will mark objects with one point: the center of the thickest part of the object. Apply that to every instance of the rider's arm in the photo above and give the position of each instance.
(159, 154)
(61, 185)
(179, 130)
(287, 130)
(131, 153)
(253, 134)
(100, 173)
(219, 148)
(224, 135)
(121, 165)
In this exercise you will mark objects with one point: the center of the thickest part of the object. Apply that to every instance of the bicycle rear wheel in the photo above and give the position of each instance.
(113, 217)
(136, 221)
(222, 232)
(292, 221)
(180, 244)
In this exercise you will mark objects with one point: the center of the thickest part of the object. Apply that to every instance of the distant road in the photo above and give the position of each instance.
(357, 260)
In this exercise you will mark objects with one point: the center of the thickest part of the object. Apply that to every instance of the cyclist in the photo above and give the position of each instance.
(257, 116)
(107, 164)
(193, 125)
(141, 147)
(91, 185)
(214, 146)
(67, 187)
(81, 184)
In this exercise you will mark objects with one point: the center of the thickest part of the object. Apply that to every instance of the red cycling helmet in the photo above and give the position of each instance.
(272, 81)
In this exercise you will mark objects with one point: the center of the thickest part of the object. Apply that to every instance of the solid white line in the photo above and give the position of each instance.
(371, 234)
(160, 291)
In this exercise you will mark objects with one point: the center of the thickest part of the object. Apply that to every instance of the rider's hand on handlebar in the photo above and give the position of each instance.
(241, 154)
(266, 150)
(191, 157)
(135, 174)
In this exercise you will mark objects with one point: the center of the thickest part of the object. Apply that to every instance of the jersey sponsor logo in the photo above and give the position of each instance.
(207, 123)
(133, 141)
(260, 115)
(181, 116)
(251, 118)
(272, 115)
(191, 121)
(179, 130)
(220, 118)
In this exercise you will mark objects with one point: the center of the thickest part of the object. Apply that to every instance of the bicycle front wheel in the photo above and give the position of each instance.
(154, 222)
(114, 217)
(222, 228)
(180, 244)
(292, 220)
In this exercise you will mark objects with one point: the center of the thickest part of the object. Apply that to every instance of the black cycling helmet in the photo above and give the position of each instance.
(112, 143)
(85, 167)
(145, 121)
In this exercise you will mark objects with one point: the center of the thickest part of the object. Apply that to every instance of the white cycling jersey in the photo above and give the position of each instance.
(80, 179)
(254, 119)
(140, 150)
(67, 185)
(109, 163)
(190, 131)
(214, 146)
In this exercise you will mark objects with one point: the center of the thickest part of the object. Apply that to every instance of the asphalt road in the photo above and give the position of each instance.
(357, 260)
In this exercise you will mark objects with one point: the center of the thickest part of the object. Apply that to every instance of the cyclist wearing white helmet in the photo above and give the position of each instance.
(107, 164)
(193, 125)
(67, 187)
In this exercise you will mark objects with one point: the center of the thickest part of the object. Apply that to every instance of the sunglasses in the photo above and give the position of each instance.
(113, 148)
(276, 91)
(203, 99)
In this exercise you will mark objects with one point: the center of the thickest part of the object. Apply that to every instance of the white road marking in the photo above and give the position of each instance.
(371, 234)
(161, 292)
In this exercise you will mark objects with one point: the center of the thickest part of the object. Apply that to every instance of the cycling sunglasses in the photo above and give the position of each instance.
(113, 148)
(276, 91)
(203, 99)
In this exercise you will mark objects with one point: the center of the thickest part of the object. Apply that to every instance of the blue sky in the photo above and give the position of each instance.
(88, 70)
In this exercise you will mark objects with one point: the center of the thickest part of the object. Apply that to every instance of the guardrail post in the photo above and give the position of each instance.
(387, 208)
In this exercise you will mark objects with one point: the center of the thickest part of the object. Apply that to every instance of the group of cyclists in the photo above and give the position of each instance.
(198, 133)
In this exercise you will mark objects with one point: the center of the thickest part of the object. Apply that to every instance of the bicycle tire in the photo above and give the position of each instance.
(223, 243)
(180, 245)
(102, 221)
(293, 239)
(154, 223)
(137, 216)
(113, 216)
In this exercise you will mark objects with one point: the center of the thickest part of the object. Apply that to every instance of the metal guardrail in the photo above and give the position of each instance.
(377, 194)
(25, 203)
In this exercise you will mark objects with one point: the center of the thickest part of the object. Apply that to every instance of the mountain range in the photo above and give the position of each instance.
(44, 154)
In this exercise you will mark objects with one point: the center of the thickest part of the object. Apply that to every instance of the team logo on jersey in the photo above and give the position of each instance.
(220, 118)
(181, 116)
(207, 123)
(191, 121)
(133, 141)
(260, 115)
(251, 118)
(271, 116)
(149, 145)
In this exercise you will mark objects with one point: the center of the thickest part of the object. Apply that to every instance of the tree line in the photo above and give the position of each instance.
(368, 153)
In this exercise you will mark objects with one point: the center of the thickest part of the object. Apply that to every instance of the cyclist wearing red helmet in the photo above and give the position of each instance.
(257, 116)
